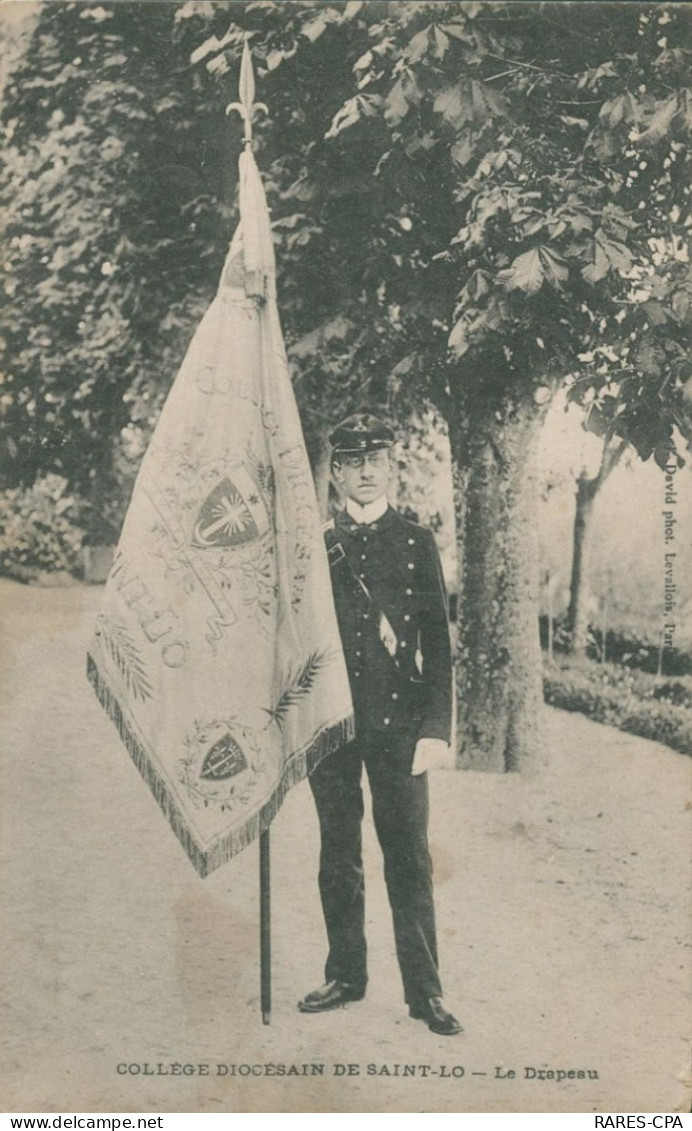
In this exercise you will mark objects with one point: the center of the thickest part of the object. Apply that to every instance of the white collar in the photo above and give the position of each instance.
(368, 513)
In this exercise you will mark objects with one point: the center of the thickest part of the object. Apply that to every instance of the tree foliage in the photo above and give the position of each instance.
(114, 214)
(480, 199)
(468, 198)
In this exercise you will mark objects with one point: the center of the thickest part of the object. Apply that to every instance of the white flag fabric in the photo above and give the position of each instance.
(216, 651)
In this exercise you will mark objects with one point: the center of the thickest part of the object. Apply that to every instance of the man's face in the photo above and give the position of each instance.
(365, 477)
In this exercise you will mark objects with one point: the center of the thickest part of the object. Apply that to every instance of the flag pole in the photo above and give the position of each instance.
(247, 107)
(265, 928)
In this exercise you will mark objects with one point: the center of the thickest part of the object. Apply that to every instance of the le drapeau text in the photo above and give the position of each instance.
(538, 1073)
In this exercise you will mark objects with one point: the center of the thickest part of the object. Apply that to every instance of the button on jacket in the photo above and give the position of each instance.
(391, 566)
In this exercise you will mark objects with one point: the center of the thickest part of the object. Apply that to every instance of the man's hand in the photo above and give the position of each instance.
(429, 754)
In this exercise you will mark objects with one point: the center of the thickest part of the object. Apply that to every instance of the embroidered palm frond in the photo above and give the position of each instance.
(126, 657)
(263, 474)
(298, 685)
(267, 479)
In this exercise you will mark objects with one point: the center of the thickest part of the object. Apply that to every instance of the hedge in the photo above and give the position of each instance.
(631, 701)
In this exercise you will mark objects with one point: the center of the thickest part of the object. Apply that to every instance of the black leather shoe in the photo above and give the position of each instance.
(330, 996)
(437, 1017)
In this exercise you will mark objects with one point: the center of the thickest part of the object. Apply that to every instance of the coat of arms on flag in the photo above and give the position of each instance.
(217, 652)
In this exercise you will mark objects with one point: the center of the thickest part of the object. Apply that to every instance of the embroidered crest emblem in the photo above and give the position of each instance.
(222, 762)
(232, 514)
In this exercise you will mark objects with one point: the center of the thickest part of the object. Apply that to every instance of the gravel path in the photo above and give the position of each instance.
(563, 906)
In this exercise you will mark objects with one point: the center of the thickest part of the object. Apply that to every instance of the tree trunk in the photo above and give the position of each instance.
(319, 453)
(587, 490)
(499, 692)
(577, 613)
(103, 489)
(549, 591)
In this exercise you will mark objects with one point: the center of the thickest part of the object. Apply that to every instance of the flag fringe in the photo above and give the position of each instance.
(297, 767)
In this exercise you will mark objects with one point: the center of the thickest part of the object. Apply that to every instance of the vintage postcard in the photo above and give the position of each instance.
(345, 557)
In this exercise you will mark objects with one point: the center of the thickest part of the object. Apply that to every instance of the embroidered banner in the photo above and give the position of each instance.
(216, 651)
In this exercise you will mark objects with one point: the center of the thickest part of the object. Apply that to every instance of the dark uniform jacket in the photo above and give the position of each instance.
(398, 563)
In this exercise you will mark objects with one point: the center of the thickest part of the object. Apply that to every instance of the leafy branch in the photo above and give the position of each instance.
(126, 657)
(298, 685)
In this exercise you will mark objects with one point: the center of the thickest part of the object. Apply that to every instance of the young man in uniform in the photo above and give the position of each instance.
(392, 612)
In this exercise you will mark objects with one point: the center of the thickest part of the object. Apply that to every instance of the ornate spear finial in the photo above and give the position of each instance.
(246, 107)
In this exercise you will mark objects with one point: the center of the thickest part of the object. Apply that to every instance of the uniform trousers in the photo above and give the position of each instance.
(400, 813)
